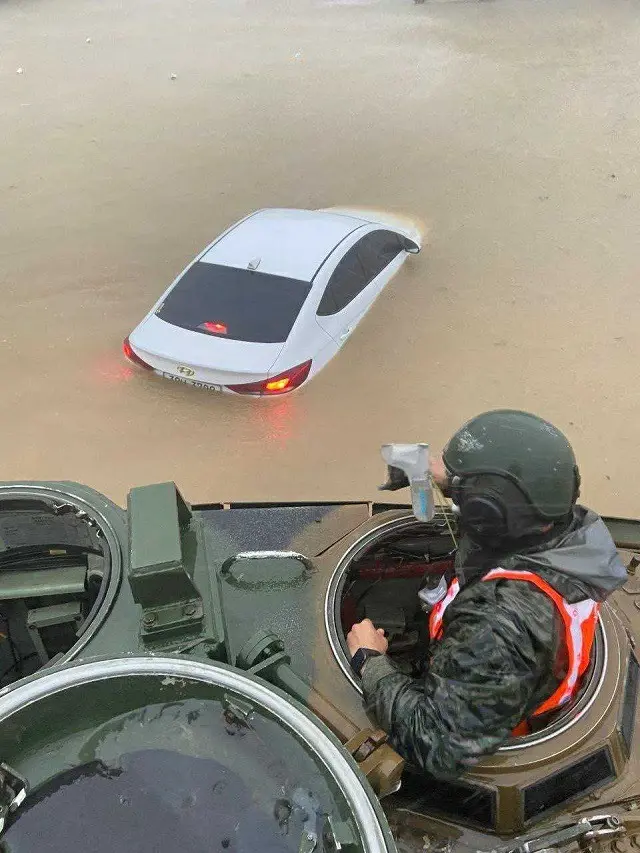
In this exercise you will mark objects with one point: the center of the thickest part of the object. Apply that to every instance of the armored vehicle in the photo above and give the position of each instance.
(175, 677)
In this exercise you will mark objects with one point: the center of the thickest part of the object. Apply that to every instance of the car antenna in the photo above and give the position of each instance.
(254, 264)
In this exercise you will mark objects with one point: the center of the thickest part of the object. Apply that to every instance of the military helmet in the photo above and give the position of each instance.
(525, 449)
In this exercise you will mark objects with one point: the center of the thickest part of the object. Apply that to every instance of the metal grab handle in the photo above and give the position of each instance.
(265, 555)
(272, 584)
(589, 829)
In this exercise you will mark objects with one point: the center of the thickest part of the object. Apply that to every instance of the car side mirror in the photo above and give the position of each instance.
(410, 246)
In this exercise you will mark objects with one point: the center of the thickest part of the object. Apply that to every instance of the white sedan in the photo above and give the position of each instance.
(265, 306)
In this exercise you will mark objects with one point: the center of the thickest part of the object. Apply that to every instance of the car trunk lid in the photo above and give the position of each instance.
(199, 357)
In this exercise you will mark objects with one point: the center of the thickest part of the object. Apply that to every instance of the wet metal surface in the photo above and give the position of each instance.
(135, 132)
(155, 800)
(182, 775)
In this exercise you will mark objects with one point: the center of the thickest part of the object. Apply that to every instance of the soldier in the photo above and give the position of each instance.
(512, 637)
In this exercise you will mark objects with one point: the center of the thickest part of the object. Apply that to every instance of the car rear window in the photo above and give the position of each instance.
(241, 305)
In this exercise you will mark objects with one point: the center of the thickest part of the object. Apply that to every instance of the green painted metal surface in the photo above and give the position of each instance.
(161, 546)
(47, 583)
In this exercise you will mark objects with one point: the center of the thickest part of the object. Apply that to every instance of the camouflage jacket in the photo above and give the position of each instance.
(502, 653)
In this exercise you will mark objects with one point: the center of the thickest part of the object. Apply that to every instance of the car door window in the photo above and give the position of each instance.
(362, 263)
(377, 250)
(345, 284)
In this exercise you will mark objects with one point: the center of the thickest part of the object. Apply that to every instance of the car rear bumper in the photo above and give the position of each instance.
(195, 383)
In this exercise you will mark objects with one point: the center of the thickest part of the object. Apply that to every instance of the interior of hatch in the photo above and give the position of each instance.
(382, 583)
(53, 568)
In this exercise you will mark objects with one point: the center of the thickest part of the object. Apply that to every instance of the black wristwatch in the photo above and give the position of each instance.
(358, 660)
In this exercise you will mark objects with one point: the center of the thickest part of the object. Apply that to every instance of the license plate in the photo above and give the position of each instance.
(195, 382)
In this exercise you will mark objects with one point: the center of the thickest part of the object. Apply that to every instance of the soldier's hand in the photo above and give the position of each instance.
(364, 635)
(437, 469)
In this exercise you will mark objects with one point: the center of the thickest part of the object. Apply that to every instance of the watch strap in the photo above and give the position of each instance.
(360, 657)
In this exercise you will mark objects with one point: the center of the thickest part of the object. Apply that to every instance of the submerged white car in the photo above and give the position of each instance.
(265, 306)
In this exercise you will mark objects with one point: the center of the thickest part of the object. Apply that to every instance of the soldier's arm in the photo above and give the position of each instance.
(485, 676)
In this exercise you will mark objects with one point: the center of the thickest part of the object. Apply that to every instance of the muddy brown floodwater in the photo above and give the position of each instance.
(511, 127)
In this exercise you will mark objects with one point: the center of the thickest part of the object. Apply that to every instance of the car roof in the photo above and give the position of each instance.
(287, 242)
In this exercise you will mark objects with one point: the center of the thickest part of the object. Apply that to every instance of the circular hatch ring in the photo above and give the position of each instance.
(561, 724)
(366, 811)
(113, 550)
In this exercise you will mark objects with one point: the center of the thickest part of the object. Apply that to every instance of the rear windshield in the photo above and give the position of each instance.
(237, 304)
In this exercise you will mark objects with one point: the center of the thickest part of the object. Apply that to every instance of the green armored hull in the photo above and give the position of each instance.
(176, 677)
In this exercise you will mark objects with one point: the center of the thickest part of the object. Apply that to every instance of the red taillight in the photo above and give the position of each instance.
(279, 384)
(132, 356)
(214, 328)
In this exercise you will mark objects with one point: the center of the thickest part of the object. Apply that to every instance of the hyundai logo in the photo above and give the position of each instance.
(186, 371)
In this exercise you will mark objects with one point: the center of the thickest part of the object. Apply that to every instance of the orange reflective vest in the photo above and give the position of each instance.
(579, 619)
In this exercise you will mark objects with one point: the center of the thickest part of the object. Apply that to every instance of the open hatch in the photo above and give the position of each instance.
(583, 747)
(56, 561)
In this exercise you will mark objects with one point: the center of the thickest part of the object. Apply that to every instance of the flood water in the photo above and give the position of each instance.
(510, 127)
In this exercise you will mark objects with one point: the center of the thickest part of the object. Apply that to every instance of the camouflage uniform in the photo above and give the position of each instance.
(502, 652)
